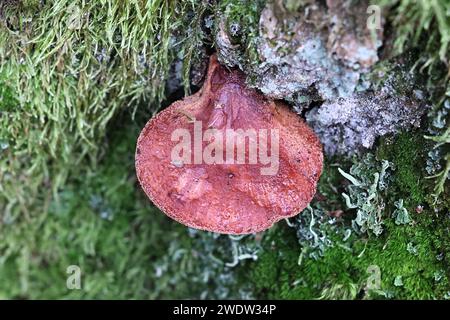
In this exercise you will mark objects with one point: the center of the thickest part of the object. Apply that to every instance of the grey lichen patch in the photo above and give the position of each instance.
(347, 126)
(308, 51)
(324, 51)
(209, 263)
(317, 229)
(294, 58)
(401, 214)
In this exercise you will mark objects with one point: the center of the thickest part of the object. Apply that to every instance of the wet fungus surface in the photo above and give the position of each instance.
(227, 159)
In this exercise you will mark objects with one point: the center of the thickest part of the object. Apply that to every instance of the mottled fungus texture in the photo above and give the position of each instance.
(235, 184)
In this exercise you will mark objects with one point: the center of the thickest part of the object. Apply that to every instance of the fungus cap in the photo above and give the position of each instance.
(227, 159)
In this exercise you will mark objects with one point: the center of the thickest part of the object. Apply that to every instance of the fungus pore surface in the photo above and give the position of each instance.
(227, 159)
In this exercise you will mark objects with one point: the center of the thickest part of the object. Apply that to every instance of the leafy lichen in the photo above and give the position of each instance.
(344, 270)
(368, 180)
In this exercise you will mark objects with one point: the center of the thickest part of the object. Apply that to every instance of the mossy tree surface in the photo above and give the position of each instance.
(77, 81)
(412, 259)
(68, 68)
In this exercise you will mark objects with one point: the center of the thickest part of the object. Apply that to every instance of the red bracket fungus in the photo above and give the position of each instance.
(227, 159)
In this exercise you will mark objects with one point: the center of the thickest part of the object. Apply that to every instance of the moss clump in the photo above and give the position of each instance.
(126, 248)
(414, 19)
(424, 26)
(97, 223)
(412, 252)
(278, 275)
(276, 270)
(7, 98)
(408, 153)
(412, 258)
(72, 66)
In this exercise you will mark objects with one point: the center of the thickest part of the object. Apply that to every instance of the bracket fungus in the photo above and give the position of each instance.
(227, 159)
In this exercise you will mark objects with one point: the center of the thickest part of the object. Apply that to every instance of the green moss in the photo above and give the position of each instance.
(125, 247)
(408, 157)
(242, 25)
(412, 252)
(277, 269)
(414, 19)
(278, 275)
(7, 99)
(72, 66)
(97, 223)
(424, 26)
(416, 252)
(408, 153)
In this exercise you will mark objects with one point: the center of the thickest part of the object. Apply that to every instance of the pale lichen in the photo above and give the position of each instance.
(369, 180)
(390, 98)
(346, 126)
